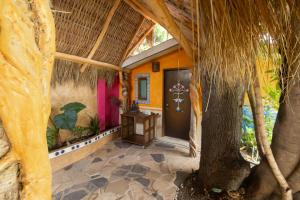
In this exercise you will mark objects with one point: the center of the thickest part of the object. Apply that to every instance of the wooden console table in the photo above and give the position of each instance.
(138, 128)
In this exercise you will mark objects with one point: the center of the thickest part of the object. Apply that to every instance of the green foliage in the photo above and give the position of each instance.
(75, 106)
(248, 138)
(52, 134)
(272, 91)
(67, 119)
(80, 131)
(160, 34)
(94, 126)
(248, 141)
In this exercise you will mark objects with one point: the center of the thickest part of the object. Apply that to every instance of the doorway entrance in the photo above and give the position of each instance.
(177, 104)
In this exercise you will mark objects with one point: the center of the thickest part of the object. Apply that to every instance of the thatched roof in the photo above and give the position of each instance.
(79, 25)
(226, 32)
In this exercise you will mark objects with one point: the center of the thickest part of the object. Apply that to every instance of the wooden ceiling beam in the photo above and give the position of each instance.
(148, 15)
(140, 40)
(157, 10)
(102, 33)
(87, 61)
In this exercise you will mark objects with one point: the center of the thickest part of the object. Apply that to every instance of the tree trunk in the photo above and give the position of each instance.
(262, 137)
(285, 146)
(27, 47)
(286, 133)
(252, 101)
(9, 184)
(221, 164)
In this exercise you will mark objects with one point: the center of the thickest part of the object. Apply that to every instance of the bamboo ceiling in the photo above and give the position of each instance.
(104, 31)
(78, 26)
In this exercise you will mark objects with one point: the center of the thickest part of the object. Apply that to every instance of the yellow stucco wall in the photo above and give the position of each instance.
(168, 61)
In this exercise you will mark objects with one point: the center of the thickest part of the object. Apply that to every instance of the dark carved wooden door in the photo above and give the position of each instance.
(177, 104)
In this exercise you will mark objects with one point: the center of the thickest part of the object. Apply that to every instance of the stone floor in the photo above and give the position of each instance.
(128, 172)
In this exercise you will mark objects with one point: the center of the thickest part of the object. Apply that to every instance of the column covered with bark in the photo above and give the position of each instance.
(27, 46)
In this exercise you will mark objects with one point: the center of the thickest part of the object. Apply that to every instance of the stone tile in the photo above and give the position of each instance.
(77, 195)
(170, 193)
(153, 174)
(141, 173)
(161, 185)
(164, 168)
(57, 196)
(108, 150)
(133, 175)
(121, 156)
(119, 187)
(122, 145)
(68, 167)
(86, 185)
(97, 159)
(100, 182)
(158, 157)
(168, 178)
(138, 192)
(126, 167)
(120, 172)
(140, 169)
(157, 196)
(144, 181)
(107, 196)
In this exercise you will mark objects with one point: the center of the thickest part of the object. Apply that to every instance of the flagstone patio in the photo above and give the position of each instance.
(124, 171)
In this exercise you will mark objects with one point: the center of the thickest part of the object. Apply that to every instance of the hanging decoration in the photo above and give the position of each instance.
(178, 91)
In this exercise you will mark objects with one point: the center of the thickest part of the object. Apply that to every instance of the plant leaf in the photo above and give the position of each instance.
(66, 120)
(75, 106)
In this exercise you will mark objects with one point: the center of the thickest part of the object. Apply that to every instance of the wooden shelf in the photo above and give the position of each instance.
(135, 139)
(146, 126)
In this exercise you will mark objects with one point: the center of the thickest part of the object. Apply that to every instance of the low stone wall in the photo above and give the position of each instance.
(67, 159)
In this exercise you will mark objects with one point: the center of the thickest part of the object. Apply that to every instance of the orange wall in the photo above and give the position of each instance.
(168, 61)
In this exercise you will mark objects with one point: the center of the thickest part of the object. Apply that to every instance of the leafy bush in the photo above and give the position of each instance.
(94, 126)
(66, 120)
(248, 140)
(52, 134)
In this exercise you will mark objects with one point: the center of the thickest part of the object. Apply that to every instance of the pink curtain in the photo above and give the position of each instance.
(108, 104)
(101, 90)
